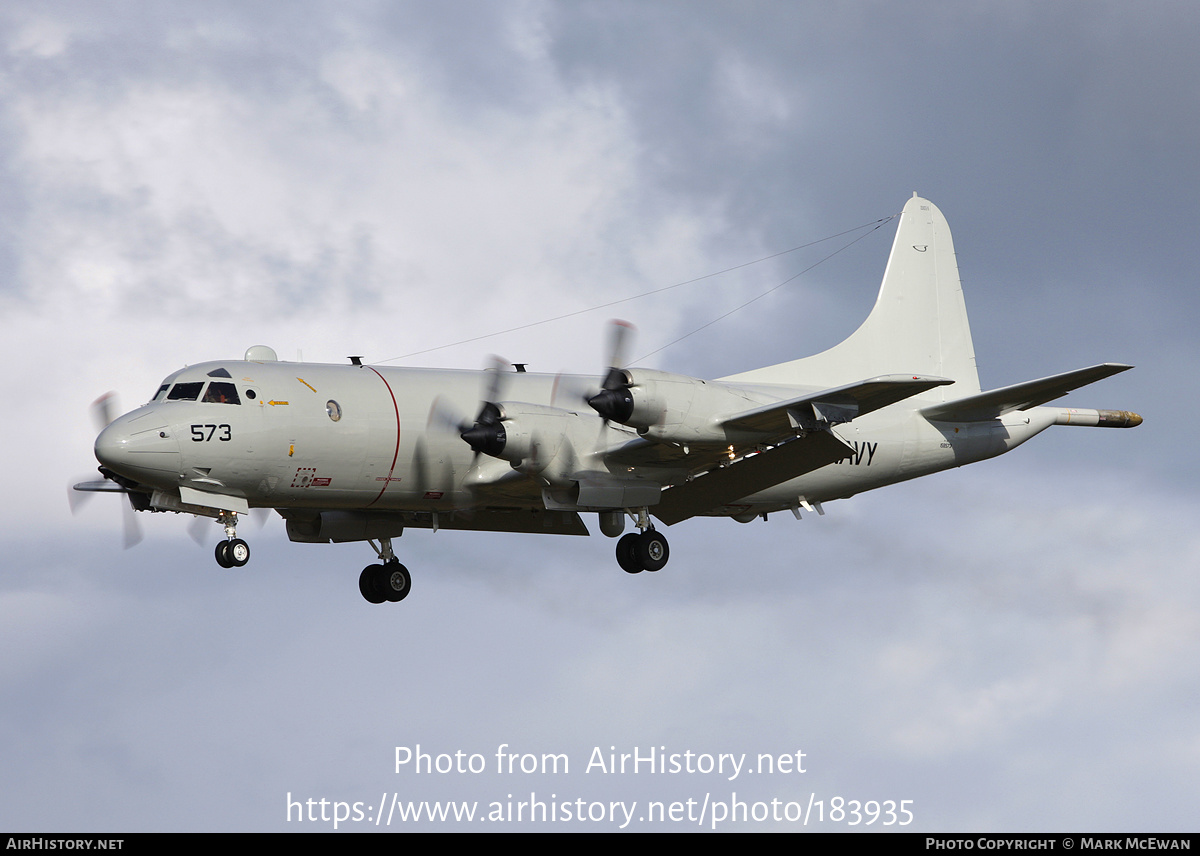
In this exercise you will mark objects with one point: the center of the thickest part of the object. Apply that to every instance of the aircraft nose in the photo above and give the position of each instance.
(142, 446)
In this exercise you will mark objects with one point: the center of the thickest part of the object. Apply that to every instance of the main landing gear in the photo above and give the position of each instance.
(646, 550)
(233, 552)
(386, 582)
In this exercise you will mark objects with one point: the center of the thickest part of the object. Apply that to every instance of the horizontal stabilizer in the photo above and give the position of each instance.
(840, 404)
(751, 474)
(1019, 396)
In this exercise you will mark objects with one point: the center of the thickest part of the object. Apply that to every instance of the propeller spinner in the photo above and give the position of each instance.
(487, 435)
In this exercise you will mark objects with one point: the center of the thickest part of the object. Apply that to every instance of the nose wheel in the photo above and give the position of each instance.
(233, 552)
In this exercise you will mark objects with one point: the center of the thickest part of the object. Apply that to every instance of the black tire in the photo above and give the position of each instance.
(652, 550)
(238, 552)
(368, 584)
(627, 554)
(222, 553)
(395, 581)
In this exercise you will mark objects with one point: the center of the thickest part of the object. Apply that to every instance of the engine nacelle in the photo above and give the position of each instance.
(547, 442)
(660, 405)
(534, 434)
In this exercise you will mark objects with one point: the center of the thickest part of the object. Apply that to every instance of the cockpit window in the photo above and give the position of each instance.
(219, 392)
(162, 391)
(185, 391)
(219, 372)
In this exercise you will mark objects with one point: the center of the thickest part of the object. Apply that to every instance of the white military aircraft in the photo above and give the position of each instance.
(362, 452)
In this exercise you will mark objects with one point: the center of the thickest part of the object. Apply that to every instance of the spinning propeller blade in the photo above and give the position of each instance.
(104, 410)
(486, 435)
(614, 401)
(129, 522)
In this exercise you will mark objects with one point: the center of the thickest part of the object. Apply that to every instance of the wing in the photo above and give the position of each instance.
(777, 422)
(702, 477)
(751, 474)
(839, 404)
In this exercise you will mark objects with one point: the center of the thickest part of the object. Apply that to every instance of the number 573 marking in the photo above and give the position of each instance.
(204, 433)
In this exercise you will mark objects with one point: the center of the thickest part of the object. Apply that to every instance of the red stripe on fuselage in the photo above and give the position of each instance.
(396, 454)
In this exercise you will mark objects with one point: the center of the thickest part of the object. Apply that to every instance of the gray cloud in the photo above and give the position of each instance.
(1010, 646)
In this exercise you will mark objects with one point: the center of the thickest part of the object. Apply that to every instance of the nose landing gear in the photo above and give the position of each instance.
(232, 552)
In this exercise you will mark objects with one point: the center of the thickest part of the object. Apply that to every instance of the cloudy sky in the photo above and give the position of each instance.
(1010, 647)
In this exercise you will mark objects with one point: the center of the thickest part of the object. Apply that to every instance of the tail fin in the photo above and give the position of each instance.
(918, 325)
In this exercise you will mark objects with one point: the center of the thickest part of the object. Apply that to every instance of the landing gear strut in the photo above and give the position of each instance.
(646, 550)
(232, 552)
(386, 582)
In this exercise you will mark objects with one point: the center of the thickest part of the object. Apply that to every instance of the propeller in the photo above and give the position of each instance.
(129, 524)
(197, 529)
(485, 433)
(77, 499)
(614, 401)
(569, 391)
(78, 493)
(435, 482)
(104, 410)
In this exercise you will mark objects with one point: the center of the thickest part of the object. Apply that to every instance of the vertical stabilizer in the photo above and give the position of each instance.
(918, 325)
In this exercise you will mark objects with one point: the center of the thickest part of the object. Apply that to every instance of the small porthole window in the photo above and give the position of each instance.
(251, 394)
(333, 409)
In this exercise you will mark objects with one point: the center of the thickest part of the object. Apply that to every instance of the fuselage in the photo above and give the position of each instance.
(305, 435)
